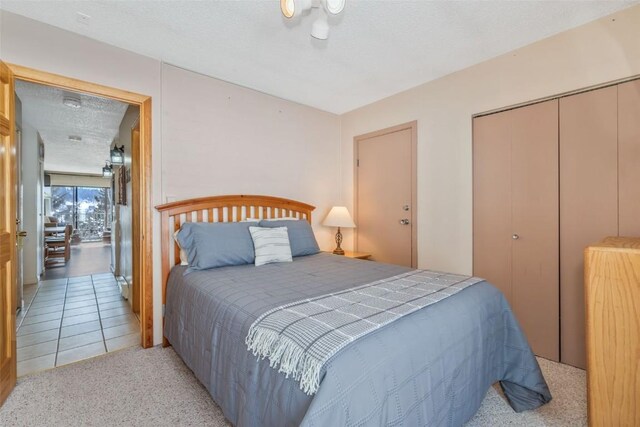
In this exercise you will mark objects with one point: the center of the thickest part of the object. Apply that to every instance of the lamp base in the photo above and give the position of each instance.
(338, 250)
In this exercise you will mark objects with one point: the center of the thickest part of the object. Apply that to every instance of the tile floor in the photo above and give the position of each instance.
(66, 320)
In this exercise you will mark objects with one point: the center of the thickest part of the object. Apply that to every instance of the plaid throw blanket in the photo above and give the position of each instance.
(301, 337)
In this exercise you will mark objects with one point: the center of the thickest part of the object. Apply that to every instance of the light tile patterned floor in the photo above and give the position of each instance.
(66, 320)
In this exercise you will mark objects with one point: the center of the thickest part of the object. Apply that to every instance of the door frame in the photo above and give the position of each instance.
(413, 126)
(142, 213)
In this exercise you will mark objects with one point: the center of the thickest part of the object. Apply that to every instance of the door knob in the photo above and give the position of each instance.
(515, 237)
(404, 221)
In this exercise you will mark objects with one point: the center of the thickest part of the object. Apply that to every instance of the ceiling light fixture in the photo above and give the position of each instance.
(75, 138)
(320, 28)
(293, 8)
(334, 7)
(72, 101)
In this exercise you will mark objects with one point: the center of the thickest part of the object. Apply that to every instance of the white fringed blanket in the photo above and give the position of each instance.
(301, 337)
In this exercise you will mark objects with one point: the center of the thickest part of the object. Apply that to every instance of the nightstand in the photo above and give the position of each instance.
(351, 254)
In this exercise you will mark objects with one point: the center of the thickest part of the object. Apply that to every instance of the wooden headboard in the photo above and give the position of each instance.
(219, 209)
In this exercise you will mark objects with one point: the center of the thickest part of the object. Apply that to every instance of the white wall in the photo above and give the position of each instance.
(225, 139)
(123, 212)
(30, 170)
(299, 145)
(598, 52)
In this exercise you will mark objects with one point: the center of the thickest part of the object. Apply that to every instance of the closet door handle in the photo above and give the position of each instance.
(515, 237)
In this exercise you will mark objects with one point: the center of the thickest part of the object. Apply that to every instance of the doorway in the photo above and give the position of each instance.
(76, 302)
(385, 194)
(141, 207)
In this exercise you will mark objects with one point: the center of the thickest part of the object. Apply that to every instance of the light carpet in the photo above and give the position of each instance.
(154, 388)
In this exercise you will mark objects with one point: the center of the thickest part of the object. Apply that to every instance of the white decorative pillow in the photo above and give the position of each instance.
(184, 260)
(271, 245)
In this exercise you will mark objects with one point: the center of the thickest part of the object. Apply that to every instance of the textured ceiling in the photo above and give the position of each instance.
(97, 121)
(375, 48)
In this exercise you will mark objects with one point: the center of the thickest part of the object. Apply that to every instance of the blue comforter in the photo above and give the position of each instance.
(432, 367)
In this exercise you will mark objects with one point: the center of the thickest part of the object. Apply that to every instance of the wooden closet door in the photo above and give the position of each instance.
(588, 201)
(535, 212)
(629, 158)
(492, 200)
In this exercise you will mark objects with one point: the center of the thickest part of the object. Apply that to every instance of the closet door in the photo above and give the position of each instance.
(515, 229)
(629, 158)
(535, 234)
(588, 201)
(492, 200)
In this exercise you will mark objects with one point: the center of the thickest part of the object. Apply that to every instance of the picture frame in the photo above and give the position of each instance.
(122, 186)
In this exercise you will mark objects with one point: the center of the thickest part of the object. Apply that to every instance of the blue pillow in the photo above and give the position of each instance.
(216, 244)
(301, 237)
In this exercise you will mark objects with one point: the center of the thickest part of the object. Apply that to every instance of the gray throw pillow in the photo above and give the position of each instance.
(301, 237)
(216, 244)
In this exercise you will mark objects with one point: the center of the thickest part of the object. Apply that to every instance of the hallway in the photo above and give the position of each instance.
(67, 320)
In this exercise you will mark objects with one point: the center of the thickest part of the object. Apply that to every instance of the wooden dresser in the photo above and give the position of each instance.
(612, 296)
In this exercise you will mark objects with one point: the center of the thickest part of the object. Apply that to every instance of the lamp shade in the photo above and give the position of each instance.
(339, 217)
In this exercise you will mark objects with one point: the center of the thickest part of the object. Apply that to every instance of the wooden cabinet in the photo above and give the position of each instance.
(356, 255)
(612, 296)
(516, 216)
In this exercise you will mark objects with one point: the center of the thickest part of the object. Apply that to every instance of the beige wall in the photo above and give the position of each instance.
(220, 138)
(601, 51)
(224, 139)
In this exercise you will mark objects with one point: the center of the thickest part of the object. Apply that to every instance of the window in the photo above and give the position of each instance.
(88, 209)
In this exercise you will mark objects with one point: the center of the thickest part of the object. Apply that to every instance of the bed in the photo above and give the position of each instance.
(431, 367)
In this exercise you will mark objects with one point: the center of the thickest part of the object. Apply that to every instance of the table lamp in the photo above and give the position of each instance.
(339, 217)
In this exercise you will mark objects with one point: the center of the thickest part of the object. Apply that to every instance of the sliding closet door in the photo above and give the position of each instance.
(492, 200)
(629, 158)
(588, 201)
(535, 234)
